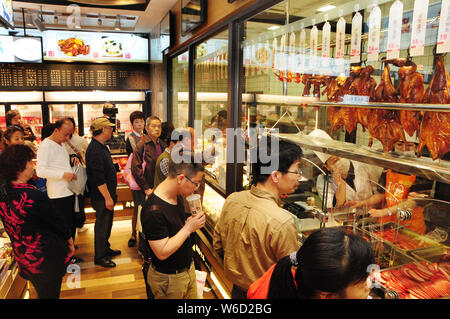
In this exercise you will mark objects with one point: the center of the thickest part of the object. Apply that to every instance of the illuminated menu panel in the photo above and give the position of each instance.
(74, 76)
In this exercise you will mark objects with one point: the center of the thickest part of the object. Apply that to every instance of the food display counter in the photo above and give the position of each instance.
(372, 76)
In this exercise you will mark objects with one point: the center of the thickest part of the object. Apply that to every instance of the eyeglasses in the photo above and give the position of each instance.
(197, 185)
(299, 172)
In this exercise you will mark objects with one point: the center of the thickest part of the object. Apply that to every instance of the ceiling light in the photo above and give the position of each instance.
(55, 19)
(326, 8)
(274, 27)
(99, 21)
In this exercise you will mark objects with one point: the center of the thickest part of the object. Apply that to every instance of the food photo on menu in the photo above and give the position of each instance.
(20, 49)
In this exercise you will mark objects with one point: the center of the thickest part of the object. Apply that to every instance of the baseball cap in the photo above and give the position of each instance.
(100, 123)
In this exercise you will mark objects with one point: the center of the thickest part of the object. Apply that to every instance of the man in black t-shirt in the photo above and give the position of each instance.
(165, 224)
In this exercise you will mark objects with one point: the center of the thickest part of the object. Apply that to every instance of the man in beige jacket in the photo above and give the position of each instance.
(253, 231)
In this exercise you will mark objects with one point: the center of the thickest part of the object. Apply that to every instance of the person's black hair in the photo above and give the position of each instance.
(187, 166)
(10, 115)
(328, 261)
(47, 130)
(10, 130)
(166, 132)
(137, 115)
(13, 160)
(288, 153)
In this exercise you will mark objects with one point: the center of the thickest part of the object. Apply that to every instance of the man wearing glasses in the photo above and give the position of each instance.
(253, 231)
(167, 228)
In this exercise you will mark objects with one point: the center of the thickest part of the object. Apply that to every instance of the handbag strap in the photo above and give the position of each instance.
(76, 152)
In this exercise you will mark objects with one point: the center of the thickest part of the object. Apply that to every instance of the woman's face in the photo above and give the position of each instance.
(138, 125)
(15, 139)
(16, 120)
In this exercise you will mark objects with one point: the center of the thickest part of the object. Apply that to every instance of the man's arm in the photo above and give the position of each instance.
(136, 168)
(109, 202)
(165, 247)
(44, 156)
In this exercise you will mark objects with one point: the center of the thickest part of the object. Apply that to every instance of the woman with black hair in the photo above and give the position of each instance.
(331, 264)
(42, 244)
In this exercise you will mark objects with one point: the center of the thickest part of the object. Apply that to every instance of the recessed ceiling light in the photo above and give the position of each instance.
(274, 27)
(326, 8)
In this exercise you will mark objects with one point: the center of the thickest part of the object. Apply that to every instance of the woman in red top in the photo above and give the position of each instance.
(330, 264)
(42, 242)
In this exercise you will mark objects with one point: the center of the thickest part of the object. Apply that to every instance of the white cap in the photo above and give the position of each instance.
(321, 134)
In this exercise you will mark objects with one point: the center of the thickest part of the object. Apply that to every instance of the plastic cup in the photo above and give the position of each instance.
(195, 203)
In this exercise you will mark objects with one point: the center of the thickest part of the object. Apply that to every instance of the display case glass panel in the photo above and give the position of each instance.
(90, 113)
(2, 118)
(211, 102)
(31, 115)
(59, 111)
(180, 90)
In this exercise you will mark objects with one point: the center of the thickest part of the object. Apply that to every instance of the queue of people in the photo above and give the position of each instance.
(257, 239)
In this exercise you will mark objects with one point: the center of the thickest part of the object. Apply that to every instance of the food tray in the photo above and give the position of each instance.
(421, 241)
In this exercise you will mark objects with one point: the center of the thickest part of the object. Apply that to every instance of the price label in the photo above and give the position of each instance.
(326, 33)
(313, 46)
(340, 38)
(274, 53)
(283, 51)
(355, 54)
(395, 30)
(252, 58)
(419, 27)
(291, 51)
(443, 43)
(302, 41)
(266, 56)
(374, 34)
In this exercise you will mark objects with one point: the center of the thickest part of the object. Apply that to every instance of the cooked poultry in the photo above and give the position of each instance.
(435, 134)
(335, 87)
(438, 91)
(410, 121)
(411, 86)
(389, 131)
(307, 83)
(316, 80)
(385, 92)
(343, 116)
(364, 84)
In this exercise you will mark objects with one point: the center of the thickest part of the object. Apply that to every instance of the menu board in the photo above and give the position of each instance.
(20, 49)
(22, 77)
(94, 47)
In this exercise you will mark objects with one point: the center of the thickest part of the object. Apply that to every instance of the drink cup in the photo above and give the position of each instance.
(195, 203)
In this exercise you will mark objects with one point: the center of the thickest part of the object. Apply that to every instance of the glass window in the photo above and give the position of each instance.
(180, 90)
(211, 100)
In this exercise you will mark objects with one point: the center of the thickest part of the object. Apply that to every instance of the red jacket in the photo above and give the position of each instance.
(260, 288)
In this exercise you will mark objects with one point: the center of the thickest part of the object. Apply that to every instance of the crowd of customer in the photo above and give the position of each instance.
(257, 239)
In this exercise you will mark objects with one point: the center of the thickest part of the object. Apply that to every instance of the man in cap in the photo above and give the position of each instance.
(102, 182)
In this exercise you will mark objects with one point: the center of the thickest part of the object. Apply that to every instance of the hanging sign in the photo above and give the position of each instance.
(419, 27)
(292, 54)
(394, 30)
(443, 43)
(340, 38)
(283, 55)
(355, 53)
(266, 56)
(374, 34)
(313, 45)
(252, 58)
(326, 33)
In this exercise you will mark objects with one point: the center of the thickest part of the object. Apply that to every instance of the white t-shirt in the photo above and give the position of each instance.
(52, 162)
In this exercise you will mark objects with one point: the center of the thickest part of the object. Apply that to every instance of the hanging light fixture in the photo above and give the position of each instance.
(55, 18)
(99, 21)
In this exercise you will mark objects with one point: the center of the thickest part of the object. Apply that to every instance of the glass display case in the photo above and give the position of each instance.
(180, 90)
(362, 88)
(211, 104)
